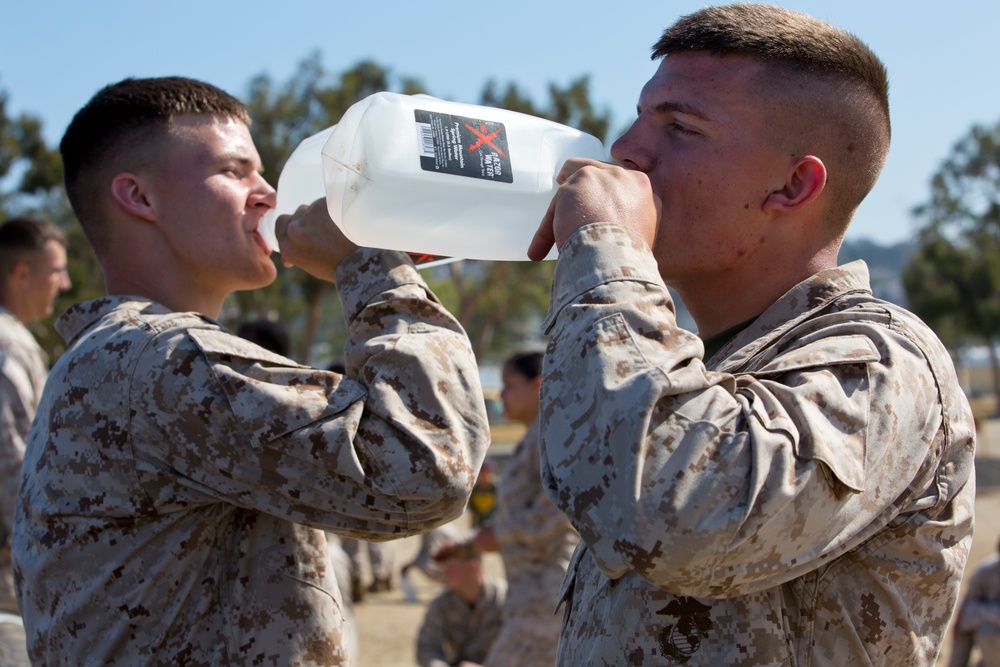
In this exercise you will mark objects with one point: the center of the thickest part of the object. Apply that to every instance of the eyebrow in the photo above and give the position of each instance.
(245, 161)
(679, 107)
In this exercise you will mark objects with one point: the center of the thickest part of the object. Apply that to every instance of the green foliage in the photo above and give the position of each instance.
(953, 280)
(499, 303)
(570, 105)
(35, 172)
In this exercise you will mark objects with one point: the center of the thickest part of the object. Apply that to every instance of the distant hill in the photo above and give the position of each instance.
(885, 264)
(891, 258)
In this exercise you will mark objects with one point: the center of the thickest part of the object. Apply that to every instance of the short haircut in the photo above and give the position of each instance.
(528, 364)
(23, 237)
(119, 130)
(845, 100)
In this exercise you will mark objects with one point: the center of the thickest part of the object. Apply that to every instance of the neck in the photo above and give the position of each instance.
(723, 301)
(14, 308)
(176, 296)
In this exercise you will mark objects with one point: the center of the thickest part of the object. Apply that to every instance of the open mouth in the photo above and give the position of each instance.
(261, 242)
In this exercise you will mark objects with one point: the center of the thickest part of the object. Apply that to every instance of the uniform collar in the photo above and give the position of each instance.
(798, 304)
(81, 316)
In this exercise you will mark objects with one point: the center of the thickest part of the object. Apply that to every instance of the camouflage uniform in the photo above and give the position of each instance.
(978, 620)
(454, 630)
(23, 367)
(536, 541)
(177, 475)
(804, 497)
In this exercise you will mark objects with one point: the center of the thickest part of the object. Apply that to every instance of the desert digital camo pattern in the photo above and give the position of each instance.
(536, 541)
(177, 475)
(23, 367)
(454, 630)
(803, 498)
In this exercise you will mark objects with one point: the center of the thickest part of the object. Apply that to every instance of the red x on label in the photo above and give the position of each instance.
(485, 138)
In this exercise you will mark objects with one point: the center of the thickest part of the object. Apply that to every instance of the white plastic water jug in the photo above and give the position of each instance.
(424, 175)
(300, 182)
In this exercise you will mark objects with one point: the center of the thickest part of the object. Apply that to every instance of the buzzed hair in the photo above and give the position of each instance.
(23, 237)
(845, 102)
(124, 120)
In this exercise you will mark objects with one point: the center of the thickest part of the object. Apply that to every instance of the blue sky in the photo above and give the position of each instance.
(942, 58)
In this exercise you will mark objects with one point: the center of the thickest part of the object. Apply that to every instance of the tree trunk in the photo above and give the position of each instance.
(312, 321)
(995, 368)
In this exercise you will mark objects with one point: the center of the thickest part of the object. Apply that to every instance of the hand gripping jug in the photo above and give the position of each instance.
(427, 176)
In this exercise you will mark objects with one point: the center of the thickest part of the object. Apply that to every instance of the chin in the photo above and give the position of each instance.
(261, 279)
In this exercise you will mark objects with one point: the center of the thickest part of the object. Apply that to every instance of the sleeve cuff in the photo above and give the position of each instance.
(368, 272)
(594, 255)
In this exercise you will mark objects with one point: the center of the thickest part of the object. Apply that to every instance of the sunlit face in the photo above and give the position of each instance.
(209, 198)
(519, 395)
(460, 573)
(44, 279)
(700, 136)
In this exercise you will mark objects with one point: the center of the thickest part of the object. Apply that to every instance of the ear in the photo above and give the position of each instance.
(129, 193)
(805, 181)
(20, 272)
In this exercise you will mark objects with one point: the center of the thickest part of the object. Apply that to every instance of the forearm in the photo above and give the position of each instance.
(709, 483)
(390, 450)
(422, 379)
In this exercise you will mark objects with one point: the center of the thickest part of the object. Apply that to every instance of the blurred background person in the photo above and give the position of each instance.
(269, 334)
(32, 274)
(463, 622)
(978, 622)
(483, 501)
(533, 536)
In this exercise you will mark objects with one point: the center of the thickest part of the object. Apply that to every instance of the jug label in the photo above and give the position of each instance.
(463, 146)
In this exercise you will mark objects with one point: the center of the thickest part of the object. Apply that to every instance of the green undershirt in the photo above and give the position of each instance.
(715, 343)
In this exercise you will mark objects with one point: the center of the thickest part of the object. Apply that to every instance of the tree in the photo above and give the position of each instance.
(953, 280)
(23, 151)
(35, 171)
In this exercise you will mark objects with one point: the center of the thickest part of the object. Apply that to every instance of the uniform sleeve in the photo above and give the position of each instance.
(431, 637)
(392, 449)
(706, 483)
(15, 421)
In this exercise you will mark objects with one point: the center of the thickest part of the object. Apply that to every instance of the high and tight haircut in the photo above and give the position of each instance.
(796, 47)
(125, 116)
(23, 237)
(778, 36)
(528, 364)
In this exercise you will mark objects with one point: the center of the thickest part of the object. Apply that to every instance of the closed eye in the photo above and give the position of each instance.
(678, 128)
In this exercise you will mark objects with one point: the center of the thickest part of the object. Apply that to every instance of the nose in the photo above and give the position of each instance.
(263, 194)
(64, 282)
(630, 152)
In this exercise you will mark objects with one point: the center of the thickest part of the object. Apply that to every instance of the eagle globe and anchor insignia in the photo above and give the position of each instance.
(692, 621)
